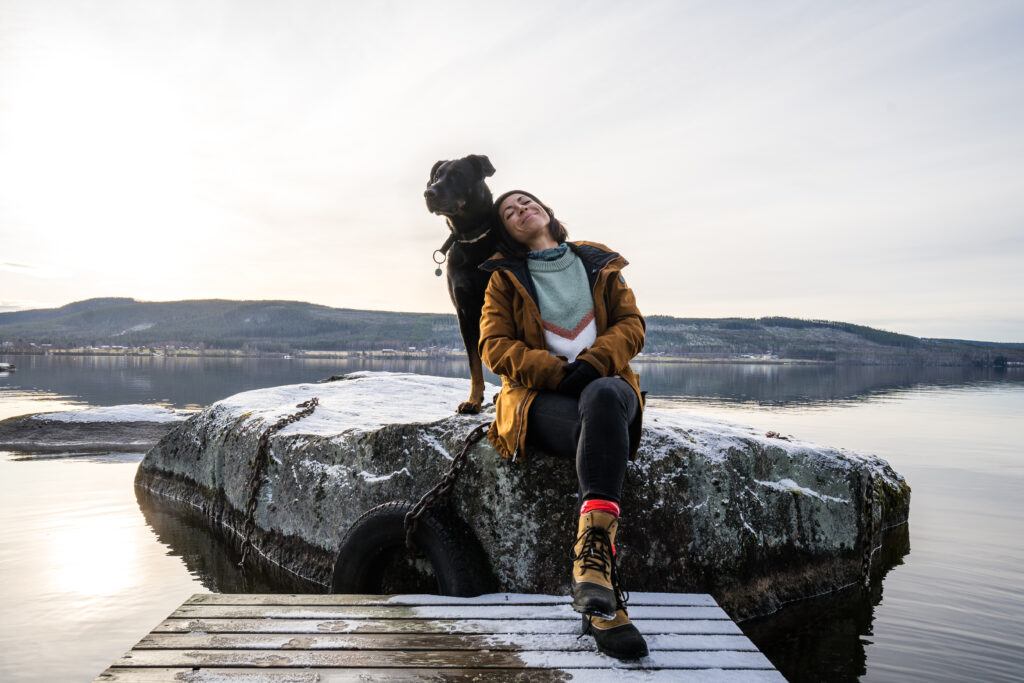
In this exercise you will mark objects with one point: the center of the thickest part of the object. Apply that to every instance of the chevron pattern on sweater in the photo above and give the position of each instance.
(573, 333)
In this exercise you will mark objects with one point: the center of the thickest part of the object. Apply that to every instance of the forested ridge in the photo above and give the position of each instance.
(287, 326)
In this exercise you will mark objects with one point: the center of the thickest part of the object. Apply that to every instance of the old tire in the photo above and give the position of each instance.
(377, 538)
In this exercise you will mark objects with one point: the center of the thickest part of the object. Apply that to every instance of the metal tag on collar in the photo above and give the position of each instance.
(444, 257)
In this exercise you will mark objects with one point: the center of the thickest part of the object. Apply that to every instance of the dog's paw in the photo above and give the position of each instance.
(469, 408)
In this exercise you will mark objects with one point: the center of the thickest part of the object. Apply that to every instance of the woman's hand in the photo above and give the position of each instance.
(578, 374)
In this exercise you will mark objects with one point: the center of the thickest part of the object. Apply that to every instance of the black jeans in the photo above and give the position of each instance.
(594, 429)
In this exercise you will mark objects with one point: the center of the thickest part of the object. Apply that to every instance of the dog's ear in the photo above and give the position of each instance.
(483, 164)
(434, 170)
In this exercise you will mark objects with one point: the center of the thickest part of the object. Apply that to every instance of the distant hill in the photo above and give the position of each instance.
(219, 323)
(821, 340)
(283, 326)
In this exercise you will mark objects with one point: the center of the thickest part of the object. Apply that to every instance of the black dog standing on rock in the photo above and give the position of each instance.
(457, 191)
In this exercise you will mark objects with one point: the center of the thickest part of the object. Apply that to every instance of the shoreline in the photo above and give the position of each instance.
(374, 353)
(452, 355)
(382, 354)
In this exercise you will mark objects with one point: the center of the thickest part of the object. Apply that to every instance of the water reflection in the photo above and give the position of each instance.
(807, 385)
(819, 639)
(211, 554)
(78, 567)
(188, 382)
(198, 382)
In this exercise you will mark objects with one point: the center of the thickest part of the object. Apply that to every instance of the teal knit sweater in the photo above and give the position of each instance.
(563, 295)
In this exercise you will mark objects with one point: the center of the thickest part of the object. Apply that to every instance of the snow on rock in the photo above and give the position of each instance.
(125, 413)
(362, 401)
(374, 478)
(709, 506)
(127, 428)
(792, 487)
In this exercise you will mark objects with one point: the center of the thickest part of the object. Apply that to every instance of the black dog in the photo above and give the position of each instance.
(457, 191)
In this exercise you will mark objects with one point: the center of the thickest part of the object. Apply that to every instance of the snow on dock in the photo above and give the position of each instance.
(501, 636)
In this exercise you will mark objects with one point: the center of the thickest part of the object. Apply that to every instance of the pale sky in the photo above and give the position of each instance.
(861, 162)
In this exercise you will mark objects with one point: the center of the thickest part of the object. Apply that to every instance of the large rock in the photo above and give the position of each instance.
(709, 506)
(126, 428)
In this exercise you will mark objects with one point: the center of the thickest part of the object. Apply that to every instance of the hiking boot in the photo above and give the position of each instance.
(593, 570)
(616, 637)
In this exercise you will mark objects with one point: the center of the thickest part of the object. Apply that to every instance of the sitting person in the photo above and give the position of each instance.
(559, 325)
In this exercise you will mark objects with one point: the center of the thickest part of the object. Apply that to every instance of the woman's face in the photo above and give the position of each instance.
(525, 220)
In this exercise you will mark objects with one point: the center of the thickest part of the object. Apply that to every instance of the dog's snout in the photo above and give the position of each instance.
(430, 193)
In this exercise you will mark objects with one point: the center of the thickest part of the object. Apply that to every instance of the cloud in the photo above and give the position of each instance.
(8, 305)
(34, 270)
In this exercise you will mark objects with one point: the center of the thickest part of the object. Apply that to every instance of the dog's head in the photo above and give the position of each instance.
(457, 187)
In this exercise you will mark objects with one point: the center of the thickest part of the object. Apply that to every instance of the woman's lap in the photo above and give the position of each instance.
(594, 429)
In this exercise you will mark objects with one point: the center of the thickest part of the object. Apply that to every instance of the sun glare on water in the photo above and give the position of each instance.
(95, 555)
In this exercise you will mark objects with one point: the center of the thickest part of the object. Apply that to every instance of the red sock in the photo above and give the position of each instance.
(598, 504)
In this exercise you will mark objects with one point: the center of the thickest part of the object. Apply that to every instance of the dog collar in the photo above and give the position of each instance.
(443, 251)
(475, 239)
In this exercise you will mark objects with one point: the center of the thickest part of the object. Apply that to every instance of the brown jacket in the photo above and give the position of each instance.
(512, 339)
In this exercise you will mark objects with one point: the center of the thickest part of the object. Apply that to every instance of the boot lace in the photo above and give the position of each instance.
(593, 558)
(596, 551)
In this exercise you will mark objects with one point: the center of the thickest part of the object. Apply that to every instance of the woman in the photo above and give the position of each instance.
(560, 326)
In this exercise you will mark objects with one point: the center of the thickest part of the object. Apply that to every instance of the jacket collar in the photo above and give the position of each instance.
(595, 258)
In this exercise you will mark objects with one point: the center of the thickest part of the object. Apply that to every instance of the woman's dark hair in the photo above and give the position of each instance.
(507, 245)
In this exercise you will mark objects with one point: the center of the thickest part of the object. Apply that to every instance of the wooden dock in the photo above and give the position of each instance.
(503, 636)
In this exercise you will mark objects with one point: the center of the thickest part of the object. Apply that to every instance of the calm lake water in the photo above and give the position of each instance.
(86, 571)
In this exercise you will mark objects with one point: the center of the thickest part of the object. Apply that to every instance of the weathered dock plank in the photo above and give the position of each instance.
(459, 659)
(430, 612)
(401, 641)
(695, 626)
(635, 598)
(504, 636)
(284, 675)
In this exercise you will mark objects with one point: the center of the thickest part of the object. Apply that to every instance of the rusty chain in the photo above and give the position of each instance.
(259, 464)
(443, 487)
(871, 527)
